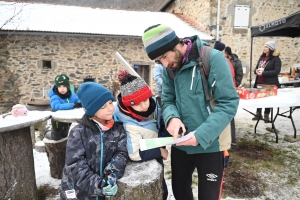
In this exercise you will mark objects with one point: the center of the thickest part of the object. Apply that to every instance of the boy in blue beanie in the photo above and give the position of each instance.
(61, 98)
(96, 153)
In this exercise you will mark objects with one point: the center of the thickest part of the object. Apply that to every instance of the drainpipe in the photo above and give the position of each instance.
(218, 20)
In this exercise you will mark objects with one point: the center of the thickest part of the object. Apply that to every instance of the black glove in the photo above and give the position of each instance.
(77, 105)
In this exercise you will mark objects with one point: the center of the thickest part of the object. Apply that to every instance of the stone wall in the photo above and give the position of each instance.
(23, 76)
(239, 40)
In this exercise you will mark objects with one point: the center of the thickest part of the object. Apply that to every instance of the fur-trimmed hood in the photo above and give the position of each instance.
(276, 52)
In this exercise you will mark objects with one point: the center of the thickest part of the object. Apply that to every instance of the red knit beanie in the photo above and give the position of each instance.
(133, 89)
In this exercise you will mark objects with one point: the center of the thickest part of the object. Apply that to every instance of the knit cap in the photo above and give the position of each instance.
(133, 89)
(62, 79)
(93, 96)
(219, 46)
(271, 44)
(159, 39)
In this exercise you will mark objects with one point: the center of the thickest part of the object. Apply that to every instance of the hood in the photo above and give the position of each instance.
(194, 53)
(86, 121)
(234, 57)
(51, 91)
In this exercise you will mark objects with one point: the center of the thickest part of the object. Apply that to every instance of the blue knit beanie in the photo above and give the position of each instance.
(93, 96)
(159, 39)
(219, 46)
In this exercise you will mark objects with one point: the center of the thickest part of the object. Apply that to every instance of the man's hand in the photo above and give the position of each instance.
(190, 142)
(174, 126)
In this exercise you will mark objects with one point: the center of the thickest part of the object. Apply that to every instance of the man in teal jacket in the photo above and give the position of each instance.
(185, 105)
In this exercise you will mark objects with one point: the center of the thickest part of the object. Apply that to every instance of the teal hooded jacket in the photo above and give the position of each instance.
(184, 98)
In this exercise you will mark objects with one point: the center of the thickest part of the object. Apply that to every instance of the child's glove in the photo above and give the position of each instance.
(109, 185)
(77, 105)
(110, 190)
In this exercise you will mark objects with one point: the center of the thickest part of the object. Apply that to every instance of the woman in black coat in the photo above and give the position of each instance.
(267, 69)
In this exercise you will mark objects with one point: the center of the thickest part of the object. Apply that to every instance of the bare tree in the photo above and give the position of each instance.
(14, 17)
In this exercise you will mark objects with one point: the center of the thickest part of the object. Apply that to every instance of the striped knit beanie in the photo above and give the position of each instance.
(159, 39)
(133, 89)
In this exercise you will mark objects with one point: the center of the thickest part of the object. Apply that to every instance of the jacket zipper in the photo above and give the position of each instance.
(193, 75)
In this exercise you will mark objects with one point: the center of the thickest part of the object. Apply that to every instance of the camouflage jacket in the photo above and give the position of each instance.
(83, 158)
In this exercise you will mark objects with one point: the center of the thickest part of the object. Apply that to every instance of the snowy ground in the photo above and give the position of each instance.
(244, 126)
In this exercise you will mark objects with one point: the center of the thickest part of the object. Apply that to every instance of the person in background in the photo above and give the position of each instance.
(96, 153)
(61, 98)
(135, 108)
(221, 47)
(237, 65)
(185, 105)
(158, 69)
(267, 70)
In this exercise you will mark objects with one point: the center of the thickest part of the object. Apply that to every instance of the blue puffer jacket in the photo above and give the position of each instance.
(87, 149)
(58, 103)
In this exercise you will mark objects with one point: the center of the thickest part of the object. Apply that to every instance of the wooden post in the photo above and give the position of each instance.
(56, 152)
(17, 165)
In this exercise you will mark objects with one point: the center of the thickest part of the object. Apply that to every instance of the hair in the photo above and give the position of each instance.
(271, 53)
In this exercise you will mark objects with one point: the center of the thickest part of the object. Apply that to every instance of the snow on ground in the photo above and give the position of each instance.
(244, 126)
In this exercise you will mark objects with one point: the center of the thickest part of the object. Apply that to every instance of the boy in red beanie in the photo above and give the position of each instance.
(135, 109)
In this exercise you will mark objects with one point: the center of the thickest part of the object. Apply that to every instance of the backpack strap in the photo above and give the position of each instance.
(204, 63)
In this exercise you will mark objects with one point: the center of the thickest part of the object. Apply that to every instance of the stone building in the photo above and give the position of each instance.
(43, 41)
(239, 39)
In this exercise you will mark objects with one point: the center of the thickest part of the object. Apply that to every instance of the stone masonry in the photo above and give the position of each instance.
(23, 76)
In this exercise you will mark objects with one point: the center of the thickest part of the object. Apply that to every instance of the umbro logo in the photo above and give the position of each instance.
(211, 177)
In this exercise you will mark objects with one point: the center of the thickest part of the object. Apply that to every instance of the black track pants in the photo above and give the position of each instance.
(210, 168)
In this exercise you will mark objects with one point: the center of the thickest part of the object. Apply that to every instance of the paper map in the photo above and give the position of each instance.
(152, 143)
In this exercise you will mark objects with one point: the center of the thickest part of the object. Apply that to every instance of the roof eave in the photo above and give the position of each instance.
(44, 33)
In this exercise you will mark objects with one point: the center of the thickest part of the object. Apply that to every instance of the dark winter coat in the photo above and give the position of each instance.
(238, 69)
(87, 149)
(271, 71)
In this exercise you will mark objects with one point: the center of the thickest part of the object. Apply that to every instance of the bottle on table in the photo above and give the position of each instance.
(293, 71)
